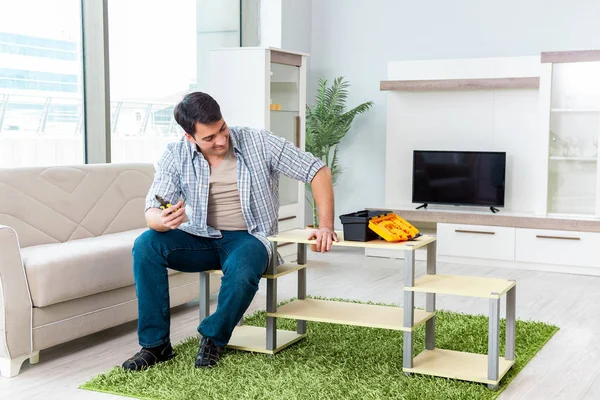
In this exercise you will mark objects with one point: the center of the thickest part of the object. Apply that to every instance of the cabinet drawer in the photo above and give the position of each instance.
(477, 241)
(288, 223)
(558, 247)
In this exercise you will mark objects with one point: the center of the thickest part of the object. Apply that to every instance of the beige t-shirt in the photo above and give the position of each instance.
(224, 206)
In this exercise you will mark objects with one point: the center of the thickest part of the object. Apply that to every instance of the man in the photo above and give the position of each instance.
(228, 179)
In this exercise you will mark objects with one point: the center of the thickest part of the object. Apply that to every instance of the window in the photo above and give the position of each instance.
(40, 83)
(152, 45)
(25, 45)
(158, 51)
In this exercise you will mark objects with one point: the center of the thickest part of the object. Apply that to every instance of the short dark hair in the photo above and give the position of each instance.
(196, 107)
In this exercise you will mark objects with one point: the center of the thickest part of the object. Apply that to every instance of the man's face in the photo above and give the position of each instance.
(212, 139)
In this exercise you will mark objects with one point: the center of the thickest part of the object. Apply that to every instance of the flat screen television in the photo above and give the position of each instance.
(474, 178)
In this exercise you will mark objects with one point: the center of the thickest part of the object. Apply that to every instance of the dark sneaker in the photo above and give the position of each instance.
(209, 354)
(146, 358)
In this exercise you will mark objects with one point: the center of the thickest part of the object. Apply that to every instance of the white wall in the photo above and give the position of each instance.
(357, 38)
(286, 24)
(296, 25)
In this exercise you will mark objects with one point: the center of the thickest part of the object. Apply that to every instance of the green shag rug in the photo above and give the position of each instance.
(332, 362)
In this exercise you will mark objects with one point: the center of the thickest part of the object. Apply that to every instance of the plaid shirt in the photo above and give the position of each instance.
(183, 173)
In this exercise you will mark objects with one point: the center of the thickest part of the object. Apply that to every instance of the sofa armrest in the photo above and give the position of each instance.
(15, 300)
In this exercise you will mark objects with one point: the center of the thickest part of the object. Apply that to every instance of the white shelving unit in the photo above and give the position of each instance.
(512, 104)
(570, 110)
(484, 368)
(265, 88)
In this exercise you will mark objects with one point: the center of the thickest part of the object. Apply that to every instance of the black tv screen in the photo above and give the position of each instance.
(459, 177)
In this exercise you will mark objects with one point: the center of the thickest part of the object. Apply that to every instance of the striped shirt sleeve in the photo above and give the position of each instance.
(290, 161)
(166, 181)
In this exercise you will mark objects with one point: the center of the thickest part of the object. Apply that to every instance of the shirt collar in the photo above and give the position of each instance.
(233, 140)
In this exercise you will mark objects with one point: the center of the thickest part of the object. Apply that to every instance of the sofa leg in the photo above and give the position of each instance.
(10, 367)
(34, 358)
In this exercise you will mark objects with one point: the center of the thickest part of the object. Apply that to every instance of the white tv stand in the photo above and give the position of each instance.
(506, 239)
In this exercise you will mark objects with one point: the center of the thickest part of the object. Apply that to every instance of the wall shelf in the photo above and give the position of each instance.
(462, 84)
(570, 56)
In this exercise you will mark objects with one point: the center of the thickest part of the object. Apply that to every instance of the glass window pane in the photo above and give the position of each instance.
(152, 46)
(157, 55)
(41, 83)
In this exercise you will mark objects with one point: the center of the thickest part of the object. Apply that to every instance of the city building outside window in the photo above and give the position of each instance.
(41, 87)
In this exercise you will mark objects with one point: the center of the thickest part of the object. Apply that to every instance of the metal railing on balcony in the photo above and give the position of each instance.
(42, 130)
(64, 116)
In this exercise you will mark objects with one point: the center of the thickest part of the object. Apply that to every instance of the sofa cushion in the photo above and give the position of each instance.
(59, 272)
(61, 203)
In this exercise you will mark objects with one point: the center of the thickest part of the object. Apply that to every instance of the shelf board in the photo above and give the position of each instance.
(471, 286)
(575, 110)
(339, 312)
(570, 56)
(505, 218)
(285, 58)
(457, 365)
(301, 235)
(285, 111)
(282, 270)
(566, 158)
(285, 269)
(254, 338)
(462, 84)
(590, 217)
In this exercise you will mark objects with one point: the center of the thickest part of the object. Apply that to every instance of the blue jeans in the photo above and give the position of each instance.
(242, 257)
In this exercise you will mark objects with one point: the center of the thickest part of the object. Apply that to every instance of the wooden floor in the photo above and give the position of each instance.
(568, 367)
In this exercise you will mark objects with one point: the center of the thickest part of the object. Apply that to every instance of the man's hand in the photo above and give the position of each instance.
(324, 236)
(164, 220)
(322, 188)
(173, 216)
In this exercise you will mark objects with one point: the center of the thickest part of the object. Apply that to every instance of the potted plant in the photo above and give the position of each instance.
(327, 122)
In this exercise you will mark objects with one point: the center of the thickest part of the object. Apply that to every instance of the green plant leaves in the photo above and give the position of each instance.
(327, 122)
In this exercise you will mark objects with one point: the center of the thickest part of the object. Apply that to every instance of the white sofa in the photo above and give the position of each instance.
(66, 235)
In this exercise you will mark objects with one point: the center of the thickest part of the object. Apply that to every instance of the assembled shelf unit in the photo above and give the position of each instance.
(488, 369)
(570, 110)
(265, 88)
